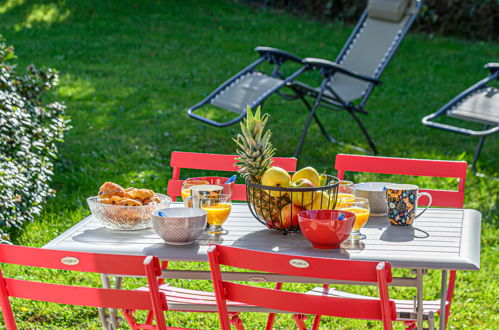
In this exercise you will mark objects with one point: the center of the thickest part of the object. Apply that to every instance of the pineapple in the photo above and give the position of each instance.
(255, 156)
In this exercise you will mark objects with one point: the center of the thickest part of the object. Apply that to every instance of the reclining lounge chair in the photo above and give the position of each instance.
(346, 83)
(479, 104)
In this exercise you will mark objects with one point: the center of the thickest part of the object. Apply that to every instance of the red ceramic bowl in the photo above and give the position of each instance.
(323, 229)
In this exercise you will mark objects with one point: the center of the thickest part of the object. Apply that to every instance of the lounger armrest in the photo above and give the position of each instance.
(331, 67)
(493, 67)
(274, 54)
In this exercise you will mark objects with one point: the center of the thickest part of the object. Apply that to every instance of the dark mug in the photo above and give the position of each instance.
(402, 202)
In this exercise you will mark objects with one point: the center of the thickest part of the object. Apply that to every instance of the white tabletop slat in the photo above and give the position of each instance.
(453, 240)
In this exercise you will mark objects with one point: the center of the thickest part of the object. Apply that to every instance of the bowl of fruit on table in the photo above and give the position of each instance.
(126, 209)
(275, 197)
(280, 196)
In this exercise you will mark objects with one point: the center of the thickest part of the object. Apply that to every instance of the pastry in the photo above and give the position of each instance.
(109, 189)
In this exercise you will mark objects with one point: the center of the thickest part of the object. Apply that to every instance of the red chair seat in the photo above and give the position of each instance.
(405, 308)
(186, 300)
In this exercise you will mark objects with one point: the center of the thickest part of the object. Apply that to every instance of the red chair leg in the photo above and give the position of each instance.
(236, 321)
(271, 318)
(132, 322)
(317, 318)
(150, 314)
(150, 317)
(270, 321)
(317, 322)
(300, 321)
(410, 325)
(8, 314)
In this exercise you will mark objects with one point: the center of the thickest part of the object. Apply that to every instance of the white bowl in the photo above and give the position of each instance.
(180, 225)
(375, 193)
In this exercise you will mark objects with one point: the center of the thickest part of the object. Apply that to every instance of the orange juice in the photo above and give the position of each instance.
(185, 193)
(343, 195)
(217, 213)
(361, 216)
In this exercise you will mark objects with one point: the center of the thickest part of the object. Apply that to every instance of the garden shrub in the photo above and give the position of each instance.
(470, 18)
(29, 132)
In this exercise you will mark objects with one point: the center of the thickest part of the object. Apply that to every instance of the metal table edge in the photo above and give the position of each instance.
(52, 244)
(470, 243)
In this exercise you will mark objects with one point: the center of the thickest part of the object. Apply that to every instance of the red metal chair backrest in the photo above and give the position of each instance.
(333, 269)
(80, 295)
(414, 167)
(214, 162)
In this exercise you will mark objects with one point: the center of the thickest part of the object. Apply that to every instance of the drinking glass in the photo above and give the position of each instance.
(185, 191)
(360, 207)
(218, 209)
(219, 181)
(346, 190)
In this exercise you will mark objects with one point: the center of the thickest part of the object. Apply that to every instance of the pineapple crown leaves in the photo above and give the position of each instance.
(255, 148)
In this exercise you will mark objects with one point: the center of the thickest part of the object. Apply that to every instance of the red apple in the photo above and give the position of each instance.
(289, 215)
(277, 224)
(302, 198)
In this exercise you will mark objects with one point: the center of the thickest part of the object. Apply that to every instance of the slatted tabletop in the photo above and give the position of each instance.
(440, 239)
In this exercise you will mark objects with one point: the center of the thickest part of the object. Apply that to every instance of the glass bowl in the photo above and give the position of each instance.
(119, 217)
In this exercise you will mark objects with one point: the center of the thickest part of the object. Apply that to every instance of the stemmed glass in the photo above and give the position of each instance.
(360, 207)
(218, 209)
(346, 189)
(185, 191)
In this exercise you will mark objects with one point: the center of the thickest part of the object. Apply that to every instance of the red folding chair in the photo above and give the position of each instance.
(379, 273)
(133, 300)
(213, 162)
(415, 167)
(198, 300)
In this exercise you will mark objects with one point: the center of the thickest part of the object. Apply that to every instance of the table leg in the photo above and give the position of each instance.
(114, 312)
(110, 322)
(419, 298)
(443, 299)
(102, 318)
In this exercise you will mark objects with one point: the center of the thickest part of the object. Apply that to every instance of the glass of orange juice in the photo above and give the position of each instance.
(185, 191)
(360, 207)
(346, 189)
(218, 209)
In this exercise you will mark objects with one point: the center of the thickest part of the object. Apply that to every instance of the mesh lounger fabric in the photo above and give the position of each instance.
(370, 48)
(481, 107)
(245, 91)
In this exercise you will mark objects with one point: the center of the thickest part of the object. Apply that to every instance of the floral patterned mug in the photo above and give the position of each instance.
(402, 200)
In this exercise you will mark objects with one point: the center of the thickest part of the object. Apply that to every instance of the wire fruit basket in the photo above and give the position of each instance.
(278, 207)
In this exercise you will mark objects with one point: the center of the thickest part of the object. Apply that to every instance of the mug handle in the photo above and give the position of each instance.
(427, 206)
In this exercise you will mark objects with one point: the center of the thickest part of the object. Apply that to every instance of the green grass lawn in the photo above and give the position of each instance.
(130, 69)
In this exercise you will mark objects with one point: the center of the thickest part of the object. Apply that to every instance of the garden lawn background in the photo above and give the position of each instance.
(129, 70)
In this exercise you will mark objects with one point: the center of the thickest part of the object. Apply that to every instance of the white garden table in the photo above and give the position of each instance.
(449, 240)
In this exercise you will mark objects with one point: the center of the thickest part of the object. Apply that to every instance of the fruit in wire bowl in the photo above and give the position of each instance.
(275, 197)
(126, 209)
(277, 206)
